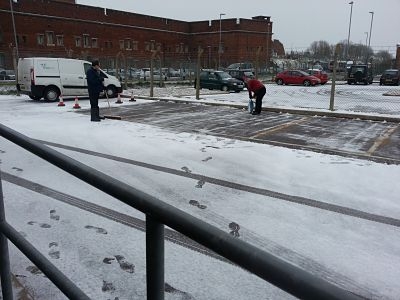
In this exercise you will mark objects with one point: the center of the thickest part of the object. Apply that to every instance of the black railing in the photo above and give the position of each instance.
(285, 276)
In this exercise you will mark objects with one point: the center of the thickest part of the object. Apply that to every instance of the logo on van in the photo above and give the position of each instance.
(46, 67)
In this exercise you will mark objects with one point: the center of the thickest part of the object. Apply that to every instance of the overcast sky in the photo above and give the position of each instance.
(296, 23)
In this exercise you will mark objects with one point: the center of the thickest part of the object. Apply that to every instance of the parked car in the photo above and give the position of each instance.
(219, 80)
(7, 75)
(359, 74)
(296, 77)
(240, 66)
(171, 72)
(390, 77)
(322, 75)
(241, 75)
(157, 76)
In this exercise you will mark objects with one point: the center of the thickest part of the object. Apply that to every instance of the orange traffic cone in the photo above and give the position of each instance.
(76, 105)
(119, 101)
(61, 101)
(132, 98)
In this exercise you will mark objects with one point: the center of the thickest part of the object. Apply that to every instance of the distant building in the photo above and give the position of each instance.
(398, 56)
(62, 28)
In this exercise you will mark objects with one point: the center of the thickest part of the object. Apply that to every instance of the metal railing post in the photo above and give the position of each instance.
(5, 270)
(154, 259)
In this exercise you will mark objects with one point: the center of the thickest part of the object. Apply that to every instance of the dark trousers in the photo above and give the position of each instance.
(94, 106)
(259, 94)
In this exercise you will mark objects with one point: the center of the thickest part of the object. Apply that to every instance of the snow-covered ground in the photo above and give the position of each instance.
(106, 259)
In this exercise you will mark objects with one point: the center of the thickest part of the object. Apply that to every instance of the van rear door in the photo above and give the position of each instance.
(25, 67)
(73, 77)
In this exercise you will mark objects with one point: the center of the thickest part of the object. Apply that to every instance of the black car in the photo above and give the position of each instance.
(219, 80)
(359, 74)
(390, 77)
(241, 75)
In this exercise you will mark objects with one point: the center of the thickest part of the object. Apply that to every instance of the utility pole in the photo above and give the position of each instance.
(348, 36)
(220, 41)
(15, 52)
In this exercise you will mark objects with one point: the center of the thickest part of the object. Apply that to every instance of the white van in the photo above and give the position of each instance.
(48, 78)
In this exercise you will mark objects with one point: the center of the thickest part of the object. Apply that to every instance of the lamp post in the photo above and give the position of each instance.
(370, 30)
(220, 41)
(15, 31)
(366, 47)
(348, 36)
(15, 52)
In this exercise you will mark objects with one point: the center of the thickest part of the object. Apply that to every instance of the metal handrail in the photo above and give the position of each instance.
(285, 276)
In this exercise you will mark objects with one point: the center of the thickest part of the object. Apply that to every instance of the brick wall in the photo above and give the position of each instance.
(179, 41)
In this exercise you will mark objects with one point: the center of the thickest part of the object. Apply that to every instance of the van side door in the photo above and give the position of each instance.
(73, 77)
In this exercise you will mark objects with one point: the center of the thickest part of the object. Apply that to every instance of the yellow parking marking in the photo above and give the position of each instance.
(382, 139)
(279, 127)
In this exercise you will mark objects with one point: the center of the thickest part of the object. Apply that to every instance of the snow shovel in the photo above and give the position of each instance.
(109, 108)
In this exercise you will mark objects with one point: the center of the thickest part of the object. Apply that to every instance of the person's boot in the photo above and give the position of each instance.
(98, 114)
(93, 115)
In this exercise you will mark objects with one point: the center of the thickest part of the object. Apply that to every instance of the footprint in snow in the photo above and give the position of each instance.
(186, 169)
(53, 215)
(98, 229)
(200, 183)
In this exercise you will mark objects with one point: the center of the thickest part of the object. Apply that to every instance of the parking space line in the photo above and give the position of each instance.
(382, 139)
(279, 127)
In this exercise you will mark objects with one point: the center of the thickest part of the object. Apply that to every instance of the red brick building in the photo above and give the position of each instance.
(65, 29)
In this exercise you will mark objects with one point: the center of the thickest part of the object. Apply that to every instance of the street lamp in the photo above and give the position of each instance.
(370, 28)
(220, 41)
(348, 36)
(15, 53)
(15, 31)
(366, 47)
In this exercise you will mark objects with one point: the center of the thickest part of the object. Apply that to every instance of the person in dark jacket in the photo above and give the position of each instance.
(256, 90)
(95, 87)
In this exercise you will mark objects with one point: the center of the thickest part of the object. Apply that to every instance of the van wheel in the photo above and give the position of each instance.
(51, 93)
(111, 91)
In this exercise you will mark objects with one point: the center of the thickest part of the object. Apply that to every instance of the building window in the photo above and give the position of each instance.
(94, 43)
(128, 44)
(147, 46)
(121, 44)
(24, 39)
(86, 41)
(78, 41)
(50, 38)
(2, 60)
(1, 36)
(135, 45)
(108, 44)
(40, 39)
(60, 40)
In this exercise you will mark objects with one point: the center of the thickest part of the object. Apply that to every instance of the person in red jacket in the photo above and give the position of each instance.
(256, 90)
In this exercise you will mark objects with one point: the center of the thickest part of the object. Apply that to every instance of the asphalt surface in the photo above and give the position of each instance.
(364, 139)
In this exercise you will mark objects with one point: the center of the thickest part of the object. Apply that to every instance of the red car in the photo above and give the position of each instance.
(322, 75)
(296, 77)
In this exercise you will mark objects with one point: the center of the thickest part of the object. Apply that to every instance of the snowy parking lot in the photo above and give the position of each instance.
(333, 216)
